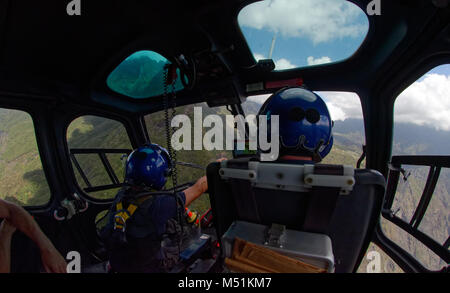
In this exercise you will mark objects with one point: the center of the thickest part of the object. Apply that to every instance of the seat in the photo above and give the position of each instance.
(276, 193)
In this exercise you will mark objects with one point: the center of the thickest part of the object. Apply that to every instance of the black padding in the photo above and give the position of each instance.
(25, 255)
(322, 201)
(287, 208)
(351, 225)
(323, 169)
(222, 203)
(321, 206)
(246, 204)
(100, 268)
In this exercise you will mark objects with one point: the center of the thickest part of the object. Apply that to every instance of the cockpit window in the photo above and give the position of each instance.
(422, 128)
(302, 33)
(141, 76)
(22, 177)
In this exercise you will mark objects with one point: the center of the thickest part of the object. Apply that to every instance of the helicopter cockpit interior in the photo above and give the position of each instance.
(109, 76)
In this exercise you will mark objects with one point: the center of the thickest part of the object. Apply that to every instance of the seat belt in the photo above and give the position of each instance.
(322, 201)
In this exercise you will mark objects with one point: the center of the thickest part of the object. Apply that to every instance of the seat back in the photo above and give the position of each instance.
(278, 193)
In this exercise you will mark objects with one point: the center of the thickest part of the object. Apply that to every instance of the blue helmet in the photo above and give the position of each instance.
(149, 165)
(305, 125)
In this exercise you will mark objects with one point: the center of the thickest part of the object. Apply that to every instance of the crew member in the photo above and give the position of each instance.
(305, 125)
(145, 232)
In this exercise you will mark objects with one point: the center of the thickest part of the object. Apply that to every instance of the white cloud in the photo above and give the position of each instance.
(280, 64)
(342, 105)
(283, 63)
(312, 61)
(426, 102)
(318, 20)
(258, 56)
(336, 112)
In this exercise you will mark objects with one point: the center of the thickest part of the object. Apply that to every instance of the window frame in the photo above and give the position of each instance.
(110, 116)
(407, 262)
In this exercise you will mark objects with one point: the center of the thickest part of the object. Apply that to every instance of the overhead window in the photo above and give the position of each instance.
(22, 179)
(301, 33)
(141, 76)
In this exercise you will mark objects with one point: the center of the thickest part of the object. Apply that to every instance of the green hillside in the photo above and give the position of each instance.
(21, 176)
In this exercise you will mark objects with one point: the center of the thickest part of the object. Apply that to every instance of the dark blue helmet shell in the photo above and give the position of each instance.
(149, 165)
(305, 125)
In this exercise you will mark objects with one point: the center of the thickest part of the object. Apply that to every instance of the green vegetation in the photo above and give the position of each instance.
(340, 155)
(21, 175)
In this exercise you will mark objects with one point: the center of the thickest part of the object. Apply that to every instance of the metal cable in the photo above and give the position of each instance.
(172, 153)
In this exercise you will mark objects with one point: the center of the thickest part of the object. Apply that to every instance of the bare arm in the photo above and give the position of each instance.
(200, 187)
(22, 220)
(193, 192)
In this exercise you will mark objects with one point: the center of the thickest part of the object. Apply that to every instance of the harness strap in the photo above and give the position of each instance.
(123, 215)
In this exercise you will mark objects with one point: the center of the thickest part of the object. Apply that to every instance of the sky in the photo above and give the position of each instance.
(312, 32)
(306, 32)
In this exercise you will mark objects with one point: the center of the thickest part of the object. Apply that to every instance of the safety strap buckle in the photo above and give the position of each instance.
(119, 223)
(122, 215)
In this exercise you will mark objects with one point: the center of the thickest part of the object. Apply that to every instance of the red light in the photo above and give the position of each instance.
(283, 83)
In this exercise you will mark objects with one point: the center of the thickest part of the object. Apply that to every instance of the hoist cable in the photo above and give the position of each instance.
(172, 152)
